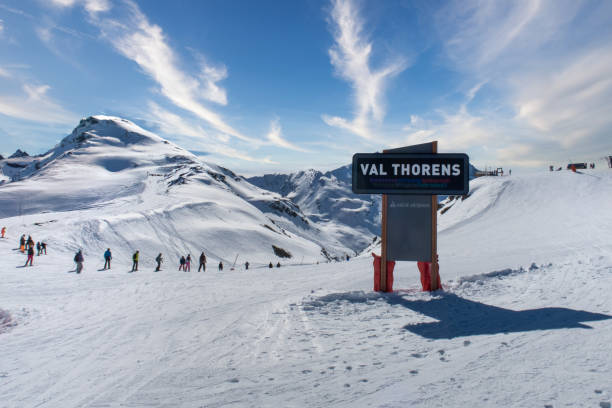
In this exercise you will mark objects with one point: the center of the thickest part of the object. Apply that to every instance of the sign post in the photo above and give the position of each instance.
(410, 179)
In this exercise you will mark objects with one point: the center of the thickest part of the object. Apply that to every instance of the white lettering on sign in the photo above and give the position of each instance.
(406, 169)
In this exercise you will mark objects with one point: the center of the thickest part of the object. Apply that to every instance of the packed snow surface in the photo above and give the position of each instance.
(524, 319)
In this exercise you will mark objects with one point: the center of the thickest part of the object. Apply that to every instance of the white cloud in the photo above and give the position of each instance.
(1, 26)
(134, 37)
(4, 73)
(209, 77)
(276, 138)
(350, 56)
(197, 138)
(549, 65)
(172, 124)
(92, 6)
(35, 105)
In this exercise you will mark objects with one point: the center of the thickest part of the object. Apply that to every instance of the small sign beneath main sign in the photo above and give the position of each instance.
(398, 173)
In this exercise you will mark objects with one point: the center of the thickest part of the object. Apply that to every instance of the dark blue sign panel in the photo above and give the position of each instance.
(398, 173)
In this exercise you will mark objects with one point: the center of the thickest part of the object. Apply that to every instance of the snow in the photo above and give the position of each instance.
(524, 320)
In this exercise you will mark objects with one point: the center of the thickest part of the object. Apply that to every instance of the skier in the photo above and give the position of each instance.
(30, 242)
(246, 265)
(135, 261)
(220, 266)
(510, 172)
(30, 256)
(159, 261)
(270, 265)
(22, 242)
(78, 258)
(182, 262)
(202, 262)
(278, 264)
(38, 249)
(3, 231)
(43, 246)
(107, 259)
(188, 263)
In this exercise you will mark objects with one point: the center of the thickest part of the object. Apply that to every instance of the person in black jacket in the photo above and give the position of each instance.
(78, 258)
(182, 264)
(202, 262)
(220, 265)
(159, 261)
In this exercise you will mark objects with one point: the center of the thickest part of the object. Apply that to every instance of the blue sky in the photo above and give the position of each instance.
(279, 86)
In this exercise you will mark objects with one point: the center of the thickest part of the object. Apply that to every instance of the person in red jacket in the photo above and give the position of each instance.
(30, 256)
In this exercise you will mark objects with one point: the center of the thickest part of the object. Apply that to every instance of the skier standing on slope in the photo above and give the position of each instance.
(78, 258)
(182, 264)
(135, 261)
(246, 265)
(30, 256)
(159, 261)
(38, 249)
(107, 259)
(188, 263)
(3, 231)
(30, 242)
(220, 266)
(22, 242)
(270, 265)
(43, 246)
(202, 262)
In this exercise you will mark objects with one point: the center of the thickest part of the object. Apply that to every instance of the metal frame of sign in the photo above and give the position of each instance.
(388, 175)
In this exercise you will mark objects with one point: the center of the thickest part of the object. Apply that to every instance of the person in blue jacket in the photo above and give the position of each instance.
(107, 259)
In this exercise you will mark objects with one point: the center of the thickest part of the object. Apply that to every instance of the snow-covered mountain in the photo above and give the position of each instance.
(328, 199)
(133, 189)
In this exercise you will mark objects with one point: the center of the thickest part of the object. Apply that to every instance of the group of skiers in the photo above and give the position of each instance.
(185, 263)
(27, 246)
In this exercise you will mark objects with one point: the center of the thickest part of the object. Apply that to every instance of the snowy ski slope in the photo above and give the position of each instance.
(525, 319)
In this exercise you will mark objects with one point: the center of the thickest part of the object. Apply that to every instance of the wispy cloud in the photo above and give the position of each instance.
(91, 6)
(170, 123)
(275, 136)
(134, 37)
(549, 65)
(35, 105)
(350, 56)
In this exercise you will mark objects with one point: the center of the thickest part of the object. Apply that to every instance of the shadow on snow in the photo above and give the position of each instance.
(460, 317)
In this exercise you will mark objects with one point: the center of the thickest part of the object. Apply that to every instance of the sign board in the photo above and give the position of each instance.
(401, 173)
(409, 232)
